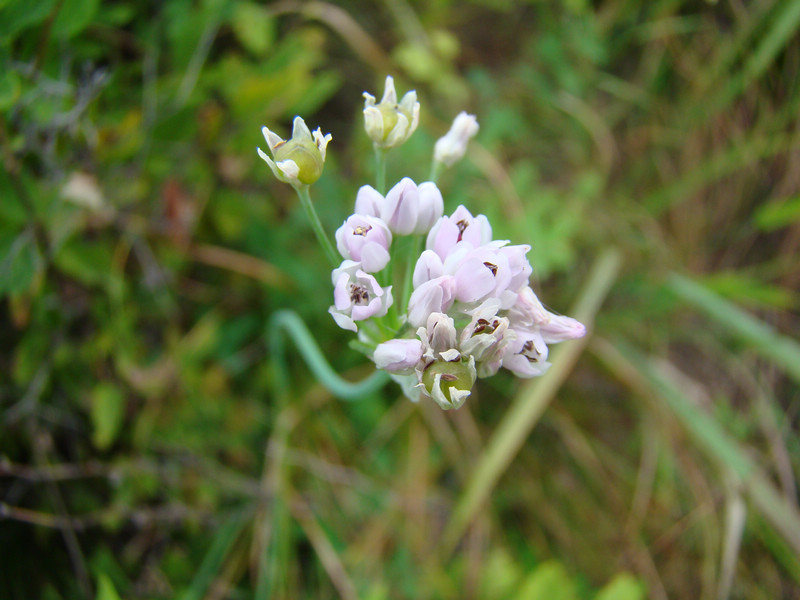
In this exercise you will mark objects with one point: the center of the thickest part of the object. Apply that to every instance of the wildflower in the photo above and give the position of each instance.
(486, 337)
(298, 160)
(357, 295)
(461, 226)
(399, 356)
(406, 209)
(436, 295)
(526, 355)
(365, 239)
(388, 123)
(451, 147)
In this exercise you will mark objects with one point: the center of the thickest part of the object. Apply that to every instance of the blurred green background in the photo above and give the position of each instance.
(144, 246)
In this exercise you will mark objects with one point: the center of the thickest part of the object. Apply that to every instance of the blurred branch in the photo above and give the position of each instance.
(239, 262)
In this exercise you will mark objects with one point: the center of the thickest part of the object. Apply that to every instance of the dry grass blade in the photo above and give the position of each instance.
(529, 405)
(709, 435)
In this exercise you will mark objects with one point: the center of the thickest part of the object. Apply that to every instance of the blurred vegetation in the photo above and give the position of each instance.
(144, 246)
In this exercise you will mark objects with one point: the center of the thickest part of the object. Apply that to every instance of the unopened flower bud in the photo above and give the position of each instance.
(451, 147)
(389, 124)
(298, 160)
(398, 356)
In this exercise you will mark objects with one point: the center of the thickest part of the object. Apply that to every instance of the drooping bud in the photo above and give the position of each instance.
(451, 147)
(298, 160)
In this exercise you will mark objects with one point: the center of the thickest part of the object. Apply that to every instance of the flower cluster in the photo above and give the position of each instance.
(471, 310)
(435, 300)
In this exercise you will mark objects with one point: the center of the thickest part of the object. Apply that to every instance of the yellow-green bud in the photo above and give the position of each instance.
(299, 160)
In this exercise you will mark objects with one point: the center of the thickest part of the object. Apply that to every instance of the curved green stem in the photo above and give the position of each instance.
(288, 322)
(316, 225)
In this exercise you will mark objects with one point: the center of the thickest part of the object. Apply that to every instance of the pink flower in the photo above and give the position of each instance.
(436, 295)
(459, 227)
(365, 239)
(486, 337)
(526, 355)
(406, 209)
(429, 266)
(357, 296)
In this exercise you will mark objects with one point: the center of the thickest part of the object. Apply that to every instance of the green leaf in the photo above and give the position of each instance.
(21, 14)
(253, 26)
(623, 587)
(19, 262)
(550, 581)
(105, 589)
(778, 213)
(782, 350)
(750, 291)
(107, 413)
(88, 263)
(73, 17)
(9, 89)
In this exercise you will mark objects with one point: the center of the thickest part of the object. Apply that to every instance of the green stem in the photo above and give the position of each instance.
(436, 170)
(289, 322)
(380, 169)
(316, 225)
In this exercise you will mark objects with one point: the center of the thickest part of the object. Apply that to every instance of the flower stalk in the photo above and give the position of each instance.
(316, 224)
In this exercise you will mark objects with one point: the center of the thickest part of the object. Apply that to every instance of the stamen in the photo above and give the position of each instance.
(492, 267)
(529, 352)
(359, 294)
(361, 229)
(480, 325)
(462, 225)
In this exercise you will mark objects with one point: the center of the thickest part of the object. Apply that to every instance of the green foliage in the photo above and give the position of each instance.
(152, 445)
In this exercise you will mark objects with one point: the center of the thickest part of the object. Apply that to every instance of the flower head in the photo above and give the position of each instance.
(451, 147)
(388, 123)
(298, 160)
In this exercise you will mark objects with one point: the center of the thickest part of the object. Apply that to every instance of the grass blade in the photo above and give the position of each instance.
(779, 349)
(709, 436)
(213, 561)
(529, 404)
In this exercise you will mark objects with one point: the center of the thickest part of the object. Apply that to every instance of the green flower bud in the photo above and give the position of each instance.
(389, 123)
(298, 160)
